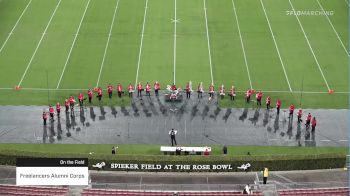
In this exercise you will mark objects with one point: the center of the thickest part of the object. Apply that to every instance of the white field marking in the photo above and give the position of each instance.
(206, 27)
(39, 43)
(77, 89)
(325, 140)
(343, 140)
(274, 41)
(336, 33)
(240, 37)
(346, 1)
(175, 21)
(307, 40)
(107, 44)
(141, 43)
(14, 27)
(72, 46)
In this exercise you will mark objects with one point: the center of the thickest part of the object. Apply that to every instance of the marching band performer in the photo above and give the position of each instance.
(232, 92)
(130, 90)
(156, 88)
(200, 90)
(211, 91)
(222, 91)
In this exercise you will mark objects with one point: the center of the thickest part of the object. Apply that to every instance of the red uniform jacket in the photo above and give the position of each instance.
(291, 108)
(232, 92)
(99, 92)
(313, 123)
(222, 89)
(148, 87)
(130, 88)
(109, 88)
(300, 113)
(173, 87)
(259, 96)
(248, 93)
(51, 110)
(66, 103)
(139, 87)
(278, 104)
(308, 118)
(90, 93)
(71, 100)
(268, 100)
(58, 107)
(119, 88)
(188, 89)
(81, 96)
(156, 86)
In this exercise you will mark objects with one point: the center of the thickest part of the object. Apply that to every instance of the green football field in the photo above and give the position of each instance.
(289, 49)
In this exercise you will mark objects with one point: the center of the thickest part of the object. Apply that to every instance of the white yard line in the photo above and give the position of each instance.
(14, 27)
(71, 48)
(267, 91)
(38, 45)
(175, 21)
(206, 27)
(277, 49)
(307, 40)
(336, 33)
(141, 44)
(107, 44)
(242, 44)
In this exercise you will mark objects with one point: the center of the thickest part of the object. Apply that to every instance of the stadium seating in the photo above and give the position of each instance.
(32, 190)
(109, 192)
(314, 192)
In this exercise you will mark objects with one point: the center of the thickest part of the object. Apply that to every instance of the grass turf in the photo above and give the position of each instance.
(156, 61)
(139, 149)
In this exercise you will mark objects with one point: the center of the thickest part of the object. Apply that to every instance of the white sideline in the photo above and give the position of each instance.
(240, 37)
(39, 43)
(265, 91)
(14, 27)
(336, 33)
(175, 21)
(206, 27)
(141, 43)
(274, 41)
(307, 40)
(71, 48)
(107, 44)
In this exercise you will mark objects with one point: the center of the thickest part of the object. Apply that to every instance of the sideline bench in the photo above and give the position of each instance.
(186, 150)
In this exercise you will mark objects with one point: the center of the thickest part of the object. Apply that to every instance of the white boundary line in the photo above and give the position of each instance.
(307, 40)
(175, 21)
(265, 91)
(206, 27)
(107, 44)
(336, 33)
(141, 43)
(274, 41)
(14, 27)
(71, 48)
(39, 43)
(242, 44)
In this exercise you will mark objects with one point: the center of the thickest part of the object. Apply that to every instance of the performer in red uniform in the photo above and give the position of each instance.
(99, 94)
(313, 124)
(90, 93)
(110, 91)
(307, 121)
(148, 89)
(139, 90)
(52, 112)
(268, 102)
(200, 90)
(233, 93)
(258, 98)
(248, 93)
(299, 114)
(211, 91)
(58, 109)
(130, 90)
(66, 104)
(222, 91)
(44, 117)
(291, 111)
(71, 103)
(81, 99)
(120, 90)
(156, 88)
(278, 106)
(188, 91)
